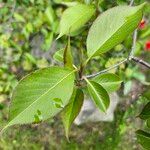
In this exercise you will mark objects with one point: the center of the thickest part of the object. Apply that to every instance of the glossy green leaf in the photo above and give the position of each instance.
(74, 18)
(68, 60)
(37, 92)
(58, 56)
(72, 109)
(145, 114)
(112, 27)
(109, 81)
(99, 95)
(143, 138)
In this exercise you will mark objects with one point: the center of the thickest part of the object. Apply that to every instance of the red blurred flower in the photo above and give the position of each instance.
(142, 24)
(147, 45)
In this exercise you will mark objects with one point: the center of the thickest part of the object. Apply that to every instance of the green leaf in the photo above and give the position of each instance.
(74, 18)
(72, 109)
(18, 17)
(37, 92)
(48, 41)
(68, 60)
(112, 27)
(143, 138)
(58, 56)
(145, 114)
(49, 15)
(99, 95)
(67, 3)
(30, 58)
(109, 81)
(79, 31)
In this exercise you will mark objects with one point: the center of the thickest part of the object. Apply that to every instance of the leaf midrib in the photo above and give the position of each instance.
(43, 95)
(110, 37)
(85, 14)
(72, 108)
(96, 94)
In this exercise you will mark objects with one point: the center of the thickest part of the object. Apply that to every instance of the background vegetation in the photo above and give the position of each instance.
(28, 31)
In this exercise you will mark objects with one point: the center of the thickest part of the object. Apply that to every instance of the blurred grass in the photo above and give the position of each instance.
(49, 135)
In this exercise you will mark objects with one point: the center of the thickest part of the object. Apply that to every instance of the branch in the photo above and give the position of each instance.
(140, 61)
(135, 59)
(133, 44)
(106, 70)
(131, 3)
(130, 57)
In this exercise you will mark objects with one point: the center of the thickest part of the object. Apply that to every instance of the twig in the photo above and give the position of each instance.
(131, 2)
(133, 44)
(106, 70)
(130, 57)
(135, 59)
(140, 61)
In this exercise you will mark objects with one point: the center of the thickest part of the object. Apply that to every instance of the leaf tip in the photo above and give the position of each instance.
(67, 133)
(67, 137)
(59, 36)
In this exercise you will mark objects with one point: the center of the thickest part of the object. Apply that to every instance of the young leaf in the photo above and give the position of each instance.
(68, 60)
(37, 92)
(58, 56)
(112, 27)
(143, 138)
(72, 109)
(74, 18)
(109, 81)
(145, 114)
(99, 95)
